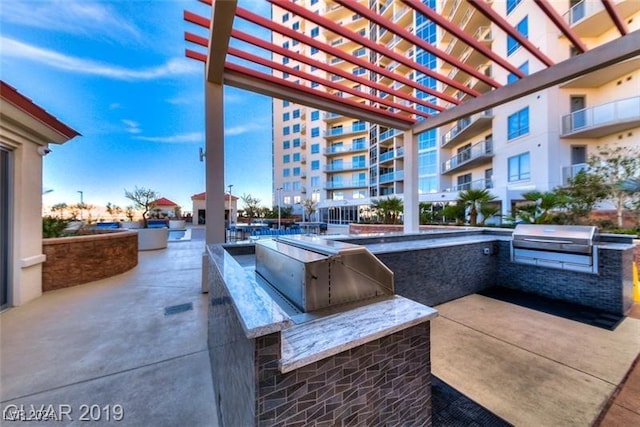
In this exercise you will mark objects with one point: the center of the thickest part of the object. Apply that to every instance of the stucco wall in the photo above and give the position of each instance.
(76, 260)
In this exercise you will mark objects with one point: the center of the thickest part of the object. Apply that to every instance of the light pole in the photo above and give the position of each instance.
(81, 203)
(230, 208)
(279, 197)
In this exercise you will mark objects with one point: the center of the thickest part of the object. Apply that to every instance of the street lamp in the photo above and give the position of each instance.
(81, 203)
(279, 197)
(230, 208)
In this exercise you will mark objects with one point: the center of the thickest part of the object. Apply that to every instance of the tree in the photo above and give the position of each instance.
(473, 199)
(616, 165)
(389, 209)
(251, 206)
(309, 207)
(113, 210)
(144, 199)
(584, 192)
(455, 211)
(60, 208)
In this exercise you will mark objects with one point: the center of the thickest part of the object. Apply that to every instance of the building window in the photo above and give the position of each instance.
(358, 126)
(358, 161)
(315, 148)
(315, 181)
(314, 2)
(285, 45)
(286, 172)
(294, 42)
(286, 186)
(285, 117)
(315, 165)
(296, 157)
(285, 103)
(315, 32)
(296, 171)
(522, 28)
(360, 194)
(525, 70)
(285, 60)
(315, 131)
(358, 71)
(287, 200)
(296, 186)
(359, 143)
(315, 84)
(314, 50)
(296, 199)
(286, 144)
(285, 130)
(359, 52)
(315, 115)
(296, 25)
(296, 142)
(511, 4)
(338, 195)
(286, 158)
(519, 167)
(296, 114)
(296, 128)
(518, 124)
(285, 17)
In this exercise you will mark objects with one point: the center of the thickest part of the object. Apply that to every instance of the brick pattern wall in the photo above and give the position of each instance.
(437, 275)
(76, 260)
(386, 382)
(609, 290)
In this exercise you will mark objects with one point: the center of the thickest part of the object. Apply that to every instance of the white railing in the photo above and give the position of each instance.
(391, 176)
(570, 172)
(339, 167)
(345, 148)
(477, 150)
(581, 10)
(353, 184)
(601, 115)
(462, 125)
(478, 184)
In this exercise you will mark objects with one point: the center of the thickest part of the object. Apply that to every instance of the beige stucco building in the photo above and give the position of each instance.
(26, 130)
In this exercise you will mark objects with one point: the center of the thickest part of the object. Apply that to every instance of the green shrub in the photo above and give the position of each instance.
(53, 227)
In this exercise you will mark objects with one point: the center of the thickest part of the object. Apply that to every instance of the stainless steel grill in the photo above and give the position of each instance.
(568, 247)
(314, 273)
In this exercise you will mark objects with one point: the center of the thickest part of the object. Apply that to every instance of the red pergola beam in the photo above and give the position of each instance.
(615, 17)
(195, 55)
(267, 23)
(463, 35)
(487, 11)
(397, 29)
(327, 83)
(202, 41)
(561, 25)
(197, 19)
(299, 88)
(239, 35)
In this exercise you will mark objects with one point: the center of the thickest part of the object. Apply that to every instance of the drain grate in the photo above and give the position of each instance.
(180, 308)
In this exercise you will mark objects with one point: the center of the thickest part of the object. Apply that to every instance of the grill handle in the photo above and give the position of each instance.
(547, 241)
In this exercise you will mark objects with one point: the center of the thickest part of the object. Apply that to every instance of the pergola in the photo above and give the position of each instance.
(226, 65)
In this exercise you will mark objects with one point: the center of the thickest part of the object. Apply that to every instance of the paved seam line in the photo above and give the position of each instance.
(104, 376)
(529, 351)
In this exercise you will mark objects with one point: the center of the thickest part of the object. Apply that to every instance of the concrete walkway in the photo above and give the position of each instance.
(109, 342)
(528, 367)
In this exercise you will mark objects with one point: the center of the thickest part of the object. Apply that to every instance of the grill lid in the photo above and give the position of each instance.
(560, 238)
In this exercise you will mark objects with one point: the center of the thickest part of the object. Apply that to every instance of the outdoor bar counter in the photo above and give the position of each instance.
(365, 364)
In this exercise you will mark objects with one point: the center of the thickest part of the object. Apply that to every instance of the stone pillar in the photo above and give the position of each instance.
(214, 125)
(411, 201)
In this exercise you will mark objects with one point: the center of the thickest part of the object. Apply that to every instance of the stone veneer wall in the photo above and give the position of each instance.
(80, 259)
(609, 290)
(436, 275)
(388, 228)
(384, 382)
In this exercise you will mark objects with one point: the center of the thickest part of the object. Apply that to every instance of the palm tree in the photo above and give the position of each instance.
(474, 199)
(389, 209)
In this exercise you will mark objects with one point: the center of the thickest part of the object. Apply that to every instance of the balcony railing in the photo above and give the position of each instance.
(341, 167)
(331, 185)
(392, 154)
(581, 10)
(478, 184)
(463, 125)
(476, 151)
(345, 131)
(601, 115)
(391, 176)
(389, 134)
(570, 172)
(345, 148)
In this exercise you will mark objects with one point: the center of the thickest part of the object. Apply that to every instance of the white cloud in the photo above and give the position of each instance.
(132, 127)
(241, 129)
(173, 67)
(114, 106)
(185, 138)
(87, 18)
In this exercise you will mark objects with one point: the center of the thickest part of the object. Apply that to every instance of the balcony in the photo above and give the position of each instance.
(478, 184)
(602, 120)
(468, 128)
(341, 149)
(589, 18)
(339, 185)
(341, 167)
(392, 154)
(570, 172)
(332, 116)
(389, 134)
(391, 176)
(478, 153)
(337, 132)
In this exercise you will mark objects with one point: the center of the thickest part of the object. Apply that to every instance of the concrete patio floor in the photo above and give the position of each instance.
(109, 342)
(528, 367)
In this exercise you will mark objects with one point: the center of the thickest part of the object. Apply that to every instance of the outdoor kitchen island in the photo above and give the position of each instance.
(363, 362)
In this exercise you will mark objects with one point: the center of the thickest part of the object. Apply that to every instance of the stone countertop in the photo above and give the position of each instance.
(258, 313)
(412, 245)
(318, 339)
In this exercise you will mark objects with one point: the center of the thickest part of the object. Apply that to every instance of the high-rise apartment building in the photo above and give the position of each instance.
(536, 142)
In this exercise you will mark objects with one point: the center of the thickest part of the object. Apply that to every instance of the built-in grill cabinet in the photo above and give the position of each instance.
(567, 247)
(314, 273)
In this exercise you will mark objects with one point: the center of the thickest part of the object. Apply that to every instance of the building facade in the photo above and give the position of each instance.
(536, 142)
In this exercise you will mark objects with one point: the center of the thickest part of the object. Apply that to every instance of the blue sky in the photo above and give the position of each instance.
(115, 71)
